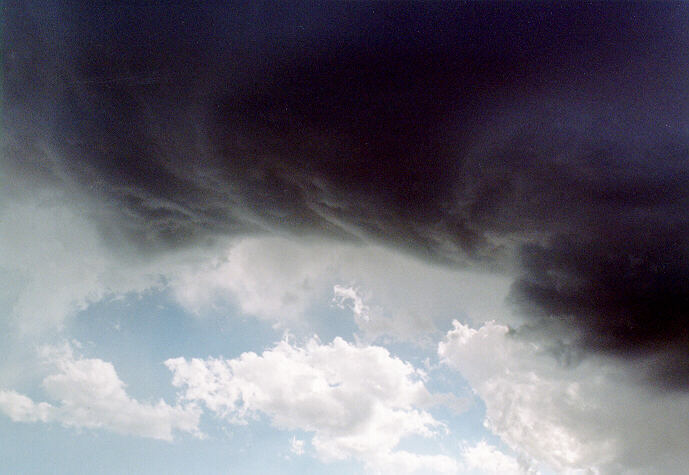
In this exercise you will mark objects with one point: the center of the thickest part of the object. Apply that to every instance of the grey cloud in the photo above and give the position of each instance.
(548, 142)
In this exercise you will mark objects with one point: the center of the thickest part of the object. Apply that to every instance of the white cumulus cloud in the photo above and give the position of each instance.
(489, 460)
(592, 416)
(91, 395)
(359, 401)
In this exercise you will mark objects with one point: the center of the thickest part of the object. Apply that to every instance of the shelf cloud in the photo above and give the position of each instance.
(547, 144)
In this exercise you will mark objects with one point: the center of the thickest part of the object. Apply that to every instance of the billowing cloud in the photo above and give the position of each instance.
(91, 395)
(583, 415)
(358, 401)
(489, 460)
(548, 142)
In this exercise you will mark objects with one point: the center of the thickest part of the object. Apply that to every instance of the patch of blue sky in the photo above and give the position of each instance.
(138, 333)
(258, 448)
(327, 321)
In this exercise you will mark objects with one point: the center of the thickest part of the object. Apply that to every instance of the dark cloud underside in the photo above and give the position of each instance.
(553, 137)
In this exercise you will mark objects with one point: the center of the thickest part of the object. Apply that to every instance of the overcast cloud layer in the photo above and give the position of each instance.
(519, 169)
(550, 141)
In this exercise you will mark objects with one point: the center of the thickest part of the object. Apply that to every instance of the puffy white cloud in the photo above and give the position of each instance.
(591, 416)
(359, 401)
(490, 460)
(91, 395)
(20, 408)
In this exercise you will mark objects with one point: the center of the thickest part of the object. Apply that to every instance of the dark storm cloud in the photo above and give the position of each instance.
(552, 137)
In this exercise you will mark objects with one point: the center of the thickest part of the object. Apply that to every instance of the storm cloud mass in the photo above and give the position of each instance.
(548, 143)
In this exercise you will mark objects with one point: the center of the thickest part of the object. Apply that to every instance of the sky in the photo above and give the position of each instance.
(344, 237)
